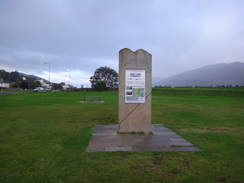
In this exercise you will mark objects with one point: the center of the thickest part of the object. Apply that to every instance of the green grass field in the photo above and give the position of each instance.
(43, 138)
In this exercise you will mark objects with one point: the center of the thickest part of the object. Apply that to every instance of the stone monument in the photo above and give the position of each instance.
(135, 86)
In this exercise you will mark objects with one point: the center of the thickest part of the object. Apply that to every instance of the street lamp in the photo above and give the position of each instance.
(49, 74)
(1, 81)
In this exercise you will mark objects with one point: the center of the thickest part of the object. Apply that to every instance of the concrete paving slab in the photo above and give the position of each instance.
(106, 138)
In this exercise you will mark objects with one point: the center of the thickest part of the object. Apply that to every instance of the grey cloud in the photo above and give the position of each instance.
(181, 35)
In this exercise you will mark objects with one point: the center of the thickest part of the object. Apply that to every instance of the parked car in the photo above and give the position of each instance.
(49, 89)
(38, 89)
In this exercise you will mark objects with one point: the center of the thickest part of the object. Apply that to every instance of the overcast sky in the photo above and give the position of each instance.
(78, 36)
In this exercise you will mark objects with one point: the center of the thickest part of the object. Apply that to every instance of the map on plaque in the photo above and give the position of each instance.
(134, 86)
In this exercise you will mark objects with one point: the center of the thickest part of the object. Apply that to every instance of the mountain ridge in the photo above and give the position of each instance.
(209, 75)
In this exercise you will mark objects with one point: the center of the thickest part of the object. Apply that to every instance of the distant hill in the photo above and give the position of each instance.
(211, 75)
(16, 76)
(155, 80)
(32, 76)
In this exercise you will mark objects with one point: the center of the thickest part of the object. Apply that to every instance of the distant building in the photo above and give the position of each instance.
(64, 86)
(44, 84)
(4, 85)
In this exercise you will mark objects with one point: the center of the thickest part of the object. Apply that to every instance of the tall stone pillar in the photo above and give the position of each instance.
(135, 83)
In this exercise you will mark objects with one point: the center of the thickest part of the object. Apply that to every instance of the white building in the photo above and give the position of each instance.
(43, 83)
(4, 85)
(65, 86)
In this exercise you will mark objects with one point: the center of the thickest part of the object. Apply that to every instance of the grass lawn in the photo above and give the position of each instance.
(43, 138)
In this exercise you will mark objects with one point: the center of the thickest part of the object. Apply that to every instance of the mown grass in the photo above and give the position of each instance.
(43, 138)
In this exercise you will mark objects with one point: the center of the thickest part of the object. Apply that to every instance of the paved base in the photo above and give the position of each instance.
(105, 138)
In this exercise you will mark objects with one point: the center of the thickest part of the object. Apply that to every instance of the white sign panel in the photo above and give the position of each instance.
(134, 86)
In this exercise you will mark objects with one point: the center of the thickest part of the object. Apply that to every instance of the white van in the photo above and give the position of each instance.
(38, 89)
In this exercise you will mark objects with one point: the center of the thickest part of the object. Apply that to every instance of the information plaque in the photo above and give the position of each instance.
(134, 86)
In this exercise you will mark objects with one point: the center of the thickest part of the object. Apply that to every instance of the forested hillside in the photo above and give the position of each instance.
(19, 80)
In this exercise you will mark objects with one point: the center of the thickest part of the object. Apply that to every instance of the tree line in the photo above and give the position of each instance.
(103, 78)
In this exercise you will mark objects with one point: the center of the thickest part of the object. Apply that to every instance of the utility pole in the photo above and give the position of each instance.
(49, 74)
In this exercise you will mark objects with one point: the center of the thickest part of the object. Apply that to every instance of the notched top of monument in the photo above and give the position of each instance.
(129, 50)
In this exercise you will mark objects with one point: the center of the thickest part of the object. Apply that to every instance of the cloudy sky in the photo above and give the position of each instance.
(75, 37)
